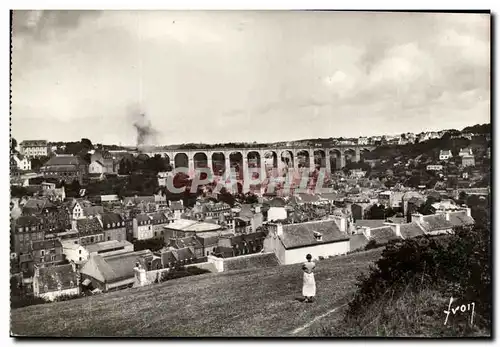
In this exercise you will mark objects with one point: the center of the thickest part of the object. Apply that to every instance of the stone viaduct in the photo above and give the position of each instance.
(220, 160)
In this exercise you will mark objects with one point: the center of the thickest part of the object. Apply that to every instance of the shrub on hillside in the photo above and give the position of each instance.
(456, 265)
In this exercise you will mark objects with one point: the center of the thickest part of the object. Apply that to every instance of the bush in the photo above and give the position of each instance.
(430, 269)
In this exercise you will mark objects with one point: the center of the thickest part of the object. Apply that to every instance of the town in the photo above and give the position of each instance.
(83, 214)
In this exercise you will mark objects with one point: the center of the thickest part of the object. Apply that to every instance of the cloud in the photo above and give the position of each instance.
(245, 76)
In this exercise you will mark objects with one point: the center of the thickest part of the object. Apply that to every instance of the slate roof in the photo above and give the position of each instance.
(109, 218)
(276, 202)
(176, 205)
(192, 225)
(159, 218)
(208, 239)
(460, 218)
(383, 235)
(371, 223)
(409, 230)
(59, 277)
(46, 244)
(302, 234)
(27, 221)
(93, 210)
(435, 223)
(88, 226)
(120, 266)
(37, 204)
(106, 245)
(65, 160)
(307, 198)
(34, 143)
(142, 218)
(189, 241)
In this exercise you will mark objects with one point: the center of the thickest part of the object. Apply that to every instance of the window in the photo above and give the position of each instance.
(80, 251)
(76, 242)
(20, 230)
(109, 226)
(42, 252)
(52, 257)
(92, 239)
(80, 258)
(114, 225)
(208, 253)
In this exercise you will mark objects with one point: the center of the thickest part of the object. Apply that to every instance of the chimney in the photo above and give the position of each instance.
(279, 229)
(257, 209)
(447, 215)
(367, 232)
(73, 224)
(467, 211)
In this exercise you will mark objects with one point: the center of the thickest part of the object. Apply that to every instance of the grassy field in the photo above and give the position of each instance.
(263, 302)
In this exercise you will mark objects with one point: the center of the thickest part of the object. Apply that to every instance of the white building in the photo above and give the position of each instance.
(34, 148)
(74, 251)
(292, 242)
(142, 227)
(362, 140)
(445, 154)
(23, 163)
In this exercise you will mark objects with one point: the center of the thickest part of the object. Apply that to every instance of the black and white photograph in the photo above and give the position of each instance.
(250, 173)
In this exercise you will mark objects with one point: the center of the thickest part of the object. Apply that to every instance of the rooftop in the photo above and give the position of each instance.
(303, 234)
(54, 278)
(107, 245)
(192, 225)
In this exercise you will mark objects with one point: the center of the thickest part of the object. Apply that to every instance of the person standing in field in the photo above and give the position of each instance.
(309, 285)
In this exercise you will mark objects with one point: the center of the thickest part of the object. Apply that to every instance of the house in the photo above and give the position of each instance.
(434, 167)
(173, 257)
(209, 241)
(231, 245)
(248, 219)
(159, 220)
(112, 247)
(362, 140)
(67, 168)
(380, 234)
(23, 163)
(468, 160)
(89, 231)
(188, 241)
(47, 252)
(465, 152)
(445, 205)
(114, 272)
(177, 207)
(142, 227)
(292, 242)
(26, 229)
(103, 166)
(445, 154)
(34, 148)
(74, 252)
(56, 281)
(35, 206)
(113, 226)
(52, 193)
(434, 224)
(276, 210)
(143, 203)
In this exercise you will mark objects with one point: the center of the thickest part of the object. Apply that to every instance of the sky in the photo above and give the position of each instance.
(244, 76)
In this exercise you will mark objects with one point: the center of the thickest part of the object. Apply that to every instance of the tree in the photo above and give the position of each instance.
(87, 144)
(13, 145)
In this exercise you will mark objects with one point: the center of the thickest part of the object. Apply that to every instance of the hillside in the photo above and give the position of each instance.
(262, 302)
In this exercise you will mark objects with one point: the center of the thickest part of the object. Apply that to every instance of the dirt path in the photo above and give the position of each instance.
(307, 325)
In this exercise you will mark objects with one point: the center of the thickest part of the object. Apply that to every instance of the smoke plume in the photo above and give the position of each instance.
(146, 134)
